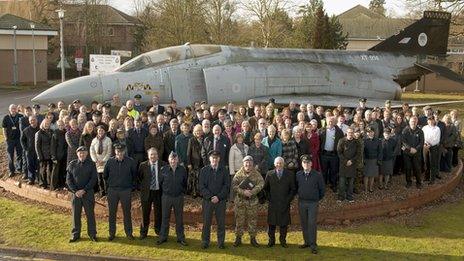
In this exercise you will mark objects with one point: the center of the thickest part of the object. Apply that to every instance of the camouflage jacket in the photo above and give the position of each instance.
(254, 176)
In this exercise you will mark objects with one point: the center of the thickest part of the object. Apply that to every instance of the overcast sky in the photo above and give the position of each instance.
(394, 7)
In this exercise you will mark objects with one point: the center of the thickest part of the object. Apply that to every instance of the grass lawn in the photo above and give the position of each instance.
(438, 235)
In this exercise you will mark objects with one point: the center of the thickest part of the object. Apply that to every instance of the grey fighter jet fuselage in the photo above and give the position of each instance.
(220, 73)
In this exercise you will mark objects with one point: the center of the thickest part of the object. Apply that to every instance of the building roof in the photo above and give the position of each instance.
(7, 21)
(110, 14)
(361, 23)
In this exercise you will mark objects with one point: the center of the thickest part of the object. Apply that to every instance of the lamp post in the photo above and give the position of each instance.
(33, 55)
(15, 57)
(61, 16)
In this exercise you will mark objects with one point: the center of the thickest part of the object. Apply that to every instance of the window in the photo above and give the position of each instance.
(110, 31)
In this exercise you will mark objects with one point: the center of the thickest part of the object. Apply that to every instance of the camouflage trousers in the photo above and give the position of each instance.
(246, 215)
(192, 183)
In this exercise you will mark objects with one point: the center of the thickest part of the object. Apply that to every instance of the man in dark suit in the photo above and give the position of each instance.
(150, 191)
(137, 137)
(217, 142)
(169, 138)
(81, 179)
(329, 157)
(280, 189)
(156, 107)
(214, 187)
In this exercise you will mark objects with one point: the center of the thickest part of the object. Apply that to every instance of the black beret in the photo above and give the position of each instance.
(36, 106)
(362, 99)
(138, 96)
(77, 101)
(97, 113)
(305, 157)
(107, 105)
(119, 146)
(214, 153)
(173, 154)
(82, 148)
(51, 105)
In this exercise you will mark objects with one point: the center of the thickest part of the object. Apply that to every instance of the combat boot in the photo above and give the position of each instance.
(238, 241)
(253, 242)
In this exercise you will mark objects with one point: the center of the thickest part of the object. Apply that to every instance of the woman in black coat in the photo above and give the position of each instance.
(72, 139)
(88, 134)
(43, 141)
(280, 190)
(59, 155)
(194, 160)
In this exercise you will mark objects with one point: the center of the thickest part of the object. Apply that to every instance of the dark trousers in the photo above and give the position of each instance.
(32, 166)
(58, 176)
(308, 219)
(446, 161)
(455, 156)
(101, 184)
(412, 166)
(24, 164)
(46, 167)
(176, 203)
(114, 197)
(154, 199)
(398, 166)
(139, 157)
(11, 147)
(346, 186)
(432, 163)
(219, 211)
(330, 168)
(282, 233)
(88, 203)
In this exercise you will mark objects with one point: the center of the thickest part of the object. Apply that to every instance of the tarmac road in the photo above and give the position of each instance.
(9, 96)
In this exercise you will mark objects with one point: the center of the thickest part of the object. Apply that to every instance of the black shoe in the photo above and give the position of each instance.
(159, 242)
(238, 241)
(130, 237)
(74, 239)
(157, 232)
(284, 244)
(221, 246)
(25, 177)
(253, 242)
(143, 236)
(30, 182)
(303, 246)
(111, 238)
(11, 175)
(314, 251)
(182, 242)
(93, 238)
(271, 243)
(204, 246)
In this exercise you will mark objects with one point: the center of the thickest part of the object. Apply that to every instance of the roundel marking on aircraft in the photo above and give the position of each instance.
(422, 39)
(93, 84)
(236, 87)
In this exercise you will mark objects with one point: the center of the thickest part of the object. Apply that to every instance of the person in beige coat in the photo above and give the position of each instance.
(236, 154)
(100, 152)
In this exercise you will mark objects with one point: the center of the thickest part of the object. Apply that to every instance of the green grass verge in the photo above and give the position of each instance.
(439, 235)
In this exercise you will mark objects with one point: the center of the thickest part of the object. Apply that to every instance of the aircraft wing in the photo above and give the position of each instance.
(345, 101)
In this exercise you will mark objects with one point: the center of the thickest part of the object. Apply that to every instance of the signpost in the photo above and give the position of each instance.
(102, 64)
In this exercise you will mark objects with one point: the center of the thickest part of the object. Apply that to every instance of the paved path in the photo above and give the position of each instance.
(8, 97)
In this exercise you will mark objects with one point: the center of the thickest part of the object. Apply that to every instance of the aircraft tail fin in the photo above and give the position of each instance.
(428, 36)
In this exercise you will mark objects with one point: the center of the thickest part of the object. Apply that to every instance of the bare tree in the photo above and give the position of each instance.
(220, 19)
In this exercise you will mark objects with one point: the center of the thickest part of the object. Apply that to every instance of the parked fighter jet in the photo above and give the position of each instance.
(220, 73)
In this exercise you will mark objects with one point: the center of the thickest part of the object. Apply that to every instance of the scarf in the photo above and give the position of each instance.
(100, 144)
(241, 147)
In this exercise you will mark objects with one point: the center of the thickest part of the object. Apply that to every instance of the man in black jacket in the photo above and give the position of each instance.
(412, 142)
(150, 191)
(173, 184)
(169, 138)
(59, 155)
(137, 137)
(214, 187)
(216, 142)
(280, 189)
(81, 178)
(28, 144)
(43, 142)
(329, 157)
(120, 175)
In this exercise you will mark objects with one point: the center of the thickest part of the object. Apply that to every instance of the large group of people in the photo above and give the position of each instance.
(246, 154)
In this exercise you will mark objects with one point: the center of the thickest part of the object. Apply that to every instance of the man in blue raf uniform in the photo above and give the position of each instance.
(12, 134)
(311, 190)
(214, 187)
(173, 184)
(120, 175)
(81, 178)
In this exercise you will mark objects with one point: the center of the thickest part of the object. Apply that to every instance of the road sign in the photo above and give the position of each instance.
(79, 67)
(78, 60)
(121, 53)
(102, 64)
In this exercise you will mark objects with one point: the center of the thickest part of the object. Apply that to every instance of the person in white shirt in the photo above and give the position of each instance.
(341, 123)
(432, 135)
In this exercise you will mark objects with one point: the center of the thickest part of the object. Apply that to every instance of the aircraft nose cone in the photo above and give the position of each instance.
(86, 88)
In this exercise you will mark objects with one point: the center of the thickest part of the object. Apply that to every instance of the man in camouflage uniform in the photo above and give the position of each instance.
(246, 200)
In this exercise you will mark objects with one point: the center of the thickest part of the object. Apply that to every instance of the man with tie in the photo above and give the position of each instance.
(329, 157)
(162, 125)
(214, 187)
(216, 142)
(150, 191)
(279, 187)
(173, 181)
(310, 189)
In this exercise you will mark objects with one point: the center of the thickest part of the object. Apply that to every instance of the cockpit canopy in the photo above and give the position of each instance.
(168, 55)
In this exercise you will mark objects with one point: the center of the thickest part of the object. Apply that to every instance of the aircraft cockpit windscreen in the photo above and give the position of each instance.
(168, 55)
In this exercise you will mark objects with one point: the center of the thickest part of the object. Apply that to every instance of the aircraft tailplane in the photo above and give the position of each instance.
(428, 36)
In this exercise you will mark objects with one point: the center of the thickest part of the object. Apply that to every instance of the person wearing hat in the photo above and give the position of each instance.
(246, 184)
(349, 152)
(81, 178)
(310, 190)
(279, 188)
(214, 185)
(138, 106)
(173, 184)
(120, 175)
(150, 191)
(372, 159)
(412, 143)
(389, 150)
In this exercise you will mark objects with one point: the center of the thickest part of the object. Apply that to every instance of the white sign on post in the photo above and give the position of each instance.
(102, 64)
